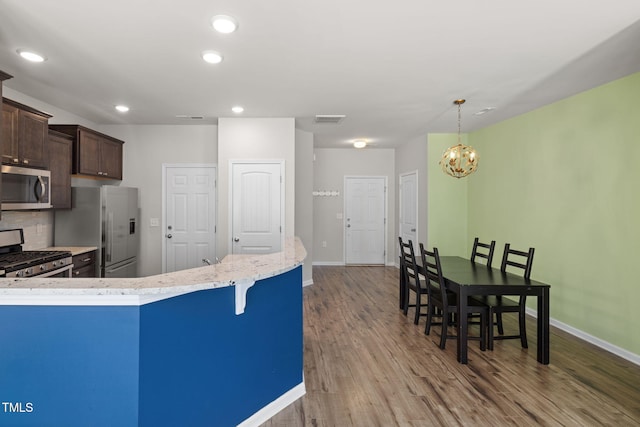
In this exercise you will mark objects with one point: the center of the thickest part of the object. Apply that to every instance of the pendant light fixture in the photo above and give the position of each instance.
(459, 160)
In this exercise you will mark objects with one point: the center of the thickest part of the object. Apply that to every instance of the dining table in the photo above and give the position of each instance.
(466, 278)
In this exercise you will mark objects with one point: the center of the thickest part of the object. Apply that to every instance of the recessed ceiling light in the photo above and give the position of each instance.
(212, 57)
(122, 108)
(237, 109)
(359, 143)
(31, 56)
(224, 24)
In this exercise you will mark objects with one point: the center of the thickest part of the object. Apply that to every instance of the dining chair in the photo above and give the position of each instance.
(483, 250)
(445, 300)
(412, 280)
(521, 260)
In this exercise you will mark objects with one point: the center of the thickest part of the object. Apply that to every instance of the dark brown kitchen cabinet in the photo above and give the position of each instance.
(3, 76)
(25, 134)
(84, 265)
(60, 154)
(94, 153)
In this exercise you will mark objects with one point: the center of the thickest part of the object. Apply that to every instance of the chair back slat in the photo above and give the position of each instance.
(408, 262)
(518, 259)
(483, 250)
(433, 274)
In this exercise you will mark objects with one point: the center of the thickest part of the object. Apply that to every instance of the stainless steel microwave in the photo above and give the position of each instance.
(25, 188)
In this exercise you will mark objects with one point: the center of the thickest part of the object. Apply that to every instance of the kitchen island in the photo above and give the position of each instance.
(215, 345)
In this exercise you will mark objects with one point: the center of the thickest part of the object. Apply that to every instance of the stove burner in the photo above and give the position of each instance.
(19, 260)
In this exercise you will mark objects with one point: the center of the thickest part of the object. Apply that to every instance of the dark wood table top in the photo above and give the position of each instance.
(483, 280)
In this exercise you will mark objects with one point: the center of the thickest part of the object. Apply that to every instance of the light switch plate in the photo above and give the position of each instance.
(154, 222)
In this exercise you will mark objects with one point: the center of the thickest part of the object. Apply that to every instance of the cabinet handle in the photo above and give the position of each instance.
(16, 160)
(25, 161)
(86, 260)
(76, 272)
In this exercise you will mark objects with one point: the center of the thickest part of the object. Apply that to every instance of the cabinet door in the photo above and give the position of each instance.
(88, 153)
(111, 159)
(9, 134)
(32, 137)
(60, 152)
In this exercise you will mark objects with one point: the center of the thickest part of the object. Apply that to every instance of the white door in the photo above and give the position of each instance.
(190, 216)
(365, 201)
(257, 208)
(409, 207)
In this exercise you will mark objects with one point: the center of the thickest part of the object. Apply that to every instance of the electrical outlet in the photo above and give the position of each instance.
(324, 243)
(154, 222)
(39, 229)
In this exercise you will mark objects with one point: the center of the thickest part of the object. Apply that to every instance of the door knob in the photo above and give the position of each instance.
(236, 239)
(348, 225)
(169, 236)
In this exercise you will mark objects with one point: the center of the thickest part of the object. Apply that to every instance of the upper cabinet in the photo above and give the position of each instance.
(94, 153)
(3, 76)
(60, 155)
(24, 134)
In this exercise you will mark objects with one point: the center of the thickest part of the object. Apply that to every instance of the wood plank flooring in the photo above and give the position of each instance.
(366, 364)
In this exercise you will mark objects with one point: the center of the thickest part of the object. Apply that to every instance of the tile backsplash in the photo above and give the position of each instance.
(37, 227)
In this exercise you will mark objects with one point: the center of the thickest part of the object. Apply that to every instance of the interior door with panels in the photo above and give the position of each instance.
(190, 216)
(257, 207)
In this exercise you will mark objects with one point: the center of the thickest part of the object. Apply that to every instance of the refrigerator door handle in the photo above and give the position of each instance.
(109, 235)
(113, 270)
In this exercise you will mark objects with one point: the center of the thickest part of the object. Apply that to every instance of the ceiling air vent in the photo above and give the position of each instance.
(184, 116)
(329, 118)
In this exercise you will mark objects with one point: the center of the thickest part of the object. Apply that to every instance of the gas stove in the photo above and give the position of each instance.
(15, 262)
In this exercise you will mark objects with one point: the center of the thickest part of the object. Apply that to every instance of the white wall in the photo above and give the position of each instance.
(146, 148)
(254, 139)
(304, 199)
(330, 168)
(410, 157)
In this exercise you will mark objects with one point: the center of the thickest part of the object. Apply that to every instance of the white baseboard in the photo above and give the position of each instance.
(339, 263)
(264, 414)
(307, 283)
(611, 348)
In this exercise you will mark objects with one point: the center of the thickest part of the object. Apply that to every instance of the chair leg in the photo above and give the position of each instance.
(523, 328)
(406, 301)
(430, 310)
(499, 322)
(416, 318)
(445, 331)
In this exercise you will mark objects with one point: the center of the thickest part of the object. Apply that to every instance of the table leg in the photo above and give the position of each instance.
(463, 324)
(543, 326)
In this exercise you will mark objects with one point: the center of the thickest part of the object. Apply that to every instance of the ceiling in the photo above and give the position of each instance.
(392, 68)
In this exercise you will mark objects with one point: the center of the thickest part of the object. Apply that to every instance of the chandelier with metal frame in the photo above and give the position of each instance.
(459, 160)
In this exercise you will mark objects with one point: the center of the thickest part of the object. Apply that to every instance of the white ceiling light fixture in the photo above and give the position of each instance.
(224, 24)
(212, 57)
(122, 108)
(237, 109)
(30, 55)
(360, 143)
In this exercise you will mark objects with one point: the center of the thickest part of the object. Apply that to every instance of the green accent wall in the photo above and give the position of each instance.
(564, 179)
(446, 201)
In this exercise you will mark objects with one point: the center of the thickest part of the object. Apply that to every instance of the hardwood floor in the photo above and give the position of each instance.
(366, 364)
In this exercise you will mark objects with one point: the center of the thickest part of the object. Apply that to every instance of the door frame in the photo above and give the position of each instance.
(417, 196)
(163, 220)
(386, 214)
(232, 163)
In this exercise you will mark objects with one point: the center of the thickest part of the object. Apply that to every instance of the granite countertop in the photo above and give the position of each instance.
(75, 250)
(232, 270)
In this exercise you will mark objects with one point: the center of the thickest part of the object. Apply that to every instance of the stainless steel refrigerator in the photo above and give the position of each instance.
(105, 217)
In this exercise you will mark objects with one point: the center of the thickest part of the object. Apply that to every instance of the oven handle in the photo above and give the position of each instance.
(50, 273)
